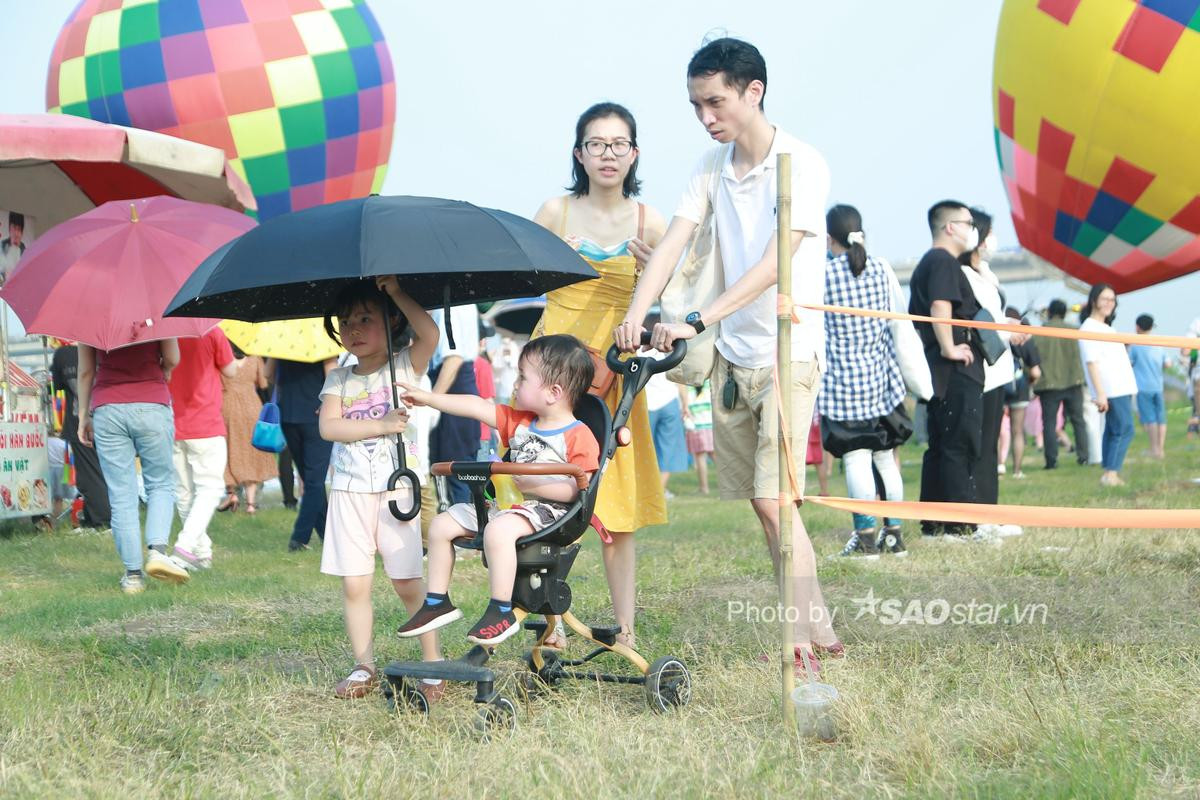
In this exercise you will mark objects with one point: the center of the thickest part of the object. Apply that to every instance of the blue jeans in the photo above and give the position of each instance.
(1118, 432)
(147, 431)
(311, 454)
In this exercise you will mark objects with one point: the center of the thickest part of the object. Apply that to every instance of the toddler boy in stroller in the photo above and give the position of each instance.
(556, 430)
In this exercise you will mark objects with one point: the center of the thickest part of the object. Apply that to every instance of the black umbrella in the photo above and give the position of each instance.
(445, 252)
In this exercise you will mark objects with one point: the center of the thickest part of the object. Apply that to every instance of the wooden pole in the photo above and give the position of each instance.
(783, 349)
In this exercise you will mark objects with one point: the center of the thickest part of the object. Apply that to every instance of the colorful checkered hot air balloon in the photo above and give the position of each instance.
(299, 93)
(1096, 131)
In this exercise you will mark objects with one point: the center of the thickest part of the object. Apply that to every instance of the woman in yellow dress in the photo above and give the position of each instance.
(615, 234)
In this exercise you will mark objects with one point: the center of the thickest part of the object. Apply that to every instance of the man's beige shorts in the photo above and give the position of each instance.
(747, 437)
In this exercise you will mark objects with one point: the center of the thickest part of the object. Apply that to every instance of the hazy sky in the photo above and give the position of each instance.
(896, 95)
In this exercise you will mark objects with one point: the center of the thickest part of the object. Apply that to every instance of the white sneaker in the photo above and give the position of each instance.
(132, 584)
(1001, 469)
(165, 568)
(1008, 530)
(987, 532)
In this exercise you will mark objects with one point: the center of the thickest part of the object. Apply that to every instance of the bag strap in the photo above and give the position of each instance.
(713, 169)
(275, 386)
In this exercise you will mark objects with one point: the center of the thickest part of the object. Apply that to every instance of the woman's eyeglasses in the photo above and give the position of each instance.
(595, 148)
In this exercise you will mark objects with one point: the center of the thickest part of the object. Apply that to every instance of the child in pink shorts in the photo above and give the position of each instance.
(357, 416)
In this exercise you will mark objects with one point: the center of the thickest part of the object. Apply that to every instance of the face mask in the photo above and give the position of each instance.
(988, 248)
(972, 240)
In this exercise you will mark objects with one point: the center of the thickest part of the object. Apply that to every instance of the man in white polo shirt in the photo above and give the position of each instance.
(727, 80)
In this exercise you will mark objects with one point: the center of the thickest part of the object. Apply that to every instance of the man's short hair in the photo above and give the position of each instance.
(940, 213)
(1144, 322)
(15, 218)
(1057, 309)
(562, 359)
(739, 62)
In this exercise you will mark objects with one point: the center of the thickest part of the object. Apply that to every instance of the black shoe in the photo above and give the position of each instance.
(494, 626)
(290, 505)
(891, 541)
(429, 618)
(1051, 466)
(294, 546)
(861, 543)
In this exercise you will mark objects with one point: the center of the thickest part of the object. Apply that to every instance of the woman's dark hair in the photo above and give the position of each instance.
(840, 222)
(739, 62)
(580, 183)
(366, 294)
(983, 225)
(237, 351)
(1093, 296)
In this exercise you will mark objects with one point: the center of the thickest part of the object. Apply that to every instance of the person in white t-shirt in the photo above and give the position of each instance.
(358, 415)
(727, 80)
(1110, 379)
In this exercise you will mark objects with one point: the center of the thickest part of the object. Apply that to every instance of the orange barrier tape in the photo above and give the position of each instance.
(785, 306)
(1041, 516)
(1179, 342)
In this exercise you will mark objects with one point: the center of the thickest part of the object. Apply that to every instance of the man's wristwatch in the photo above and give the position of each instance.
(694, 320)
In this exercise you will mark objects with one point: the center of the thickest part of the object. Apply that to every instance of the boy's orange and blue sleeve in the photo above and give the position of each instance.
(582, 448)
(507, 420)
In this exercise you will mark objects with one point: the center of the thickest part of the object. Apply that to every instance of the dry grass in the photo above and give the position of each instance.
(222, 688)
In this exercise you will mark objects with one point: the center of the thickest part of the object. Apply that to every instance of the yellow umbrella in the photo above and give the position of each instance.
(293, 339)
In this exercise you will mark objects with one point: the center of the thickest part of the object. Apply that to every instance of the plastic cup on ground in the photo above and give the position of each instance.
(814, 711)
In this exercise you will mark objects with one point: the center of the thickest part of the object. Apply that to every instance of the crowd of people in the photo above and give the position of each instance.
(185, 409)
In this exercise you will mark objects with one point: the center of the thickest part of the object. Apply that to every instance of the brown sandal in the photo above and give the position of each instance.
(359, 683)
(251, 509)
(230, 503)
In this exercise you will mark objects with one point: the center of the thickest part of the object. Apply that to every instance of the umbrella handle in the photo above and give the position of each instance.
(402, 471)
(415, 485)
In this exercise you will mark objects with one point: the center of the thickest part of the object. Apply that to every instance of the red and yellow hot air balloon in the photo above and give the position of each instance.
(1098, 136)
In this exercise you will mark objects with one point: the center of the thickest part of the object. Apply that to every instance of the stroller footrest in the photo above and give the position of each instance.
(605, 634)
(439, 670)
(538, 626)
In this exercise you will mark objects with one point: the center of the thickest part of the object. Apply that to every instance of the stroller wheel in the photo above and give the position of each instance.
(409, 698)
(497, 716)
(549, 676)
(668, 684)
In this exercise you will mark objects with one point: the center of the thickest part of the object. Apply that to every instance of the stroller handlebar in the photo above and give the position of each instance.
(653, 366)
(448, 468)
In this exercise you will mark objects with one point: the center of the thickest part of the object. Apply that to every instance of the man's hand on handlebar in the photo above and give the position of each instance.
(664, 335)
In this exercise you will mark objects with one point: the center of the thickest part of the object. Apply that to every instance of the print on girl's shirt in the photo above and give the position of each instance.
(366, 465)
(367, 405)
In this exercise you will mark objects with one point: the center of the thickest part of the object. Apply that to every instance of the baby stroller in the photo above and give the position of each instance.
(544, 560)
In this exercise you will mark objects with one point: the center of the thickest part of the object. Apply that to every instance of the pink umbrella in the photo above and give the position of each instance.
(55, 166)
(105, 277)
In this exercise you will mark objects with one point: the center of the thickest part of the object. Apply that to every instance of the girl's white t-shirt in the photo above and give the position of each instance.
(367, 464)
(1112, 359)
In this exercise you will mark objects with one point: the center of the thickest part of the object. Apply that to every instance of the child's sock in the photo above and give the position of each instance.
(435, 599)
(161, 549)
(505, 606)
(137, 572)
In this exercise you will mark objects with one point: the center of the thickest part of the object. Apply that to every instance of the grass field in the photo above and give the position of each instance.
(1083, 684)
